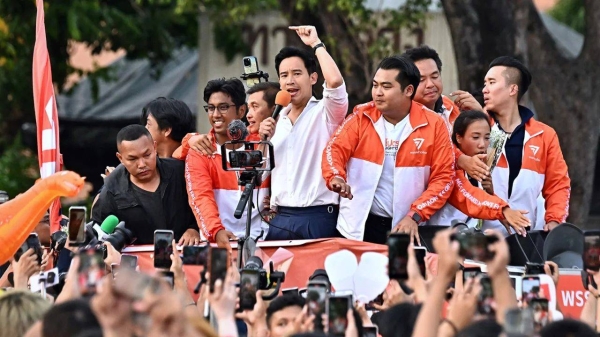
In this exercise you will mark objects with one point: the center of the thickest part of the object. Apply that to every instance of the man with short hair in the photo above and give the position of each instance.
(168, 121)
(282, 312)
(306, 209)
(532, 162)
(391, 160)
(146, 192)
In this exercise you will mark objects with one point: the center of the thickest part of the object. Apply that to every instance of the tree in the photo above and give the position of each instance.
(571, 13)
(564, 90)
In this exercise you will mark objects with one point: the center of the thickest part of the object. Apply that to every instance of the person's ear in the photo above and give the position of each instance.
(167, 132)
(409, 90)
(313, 78)
(120, 157)
(459, 139)
(242, 111)
(514, 90)
(154, 145)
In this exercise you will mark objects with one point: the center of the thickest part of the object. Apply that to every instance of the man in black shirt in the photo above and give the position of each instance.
(146, 192)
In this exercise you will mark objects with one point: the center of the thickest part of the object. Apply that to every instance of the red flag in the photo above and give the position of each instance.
(46, 114)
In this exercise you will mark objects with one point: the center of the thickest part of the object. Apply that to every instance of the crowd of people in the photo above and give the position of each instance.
(409, 158)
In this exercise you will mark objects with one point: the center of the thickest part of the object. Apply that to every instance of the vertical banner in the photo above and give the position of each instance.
(46, 114)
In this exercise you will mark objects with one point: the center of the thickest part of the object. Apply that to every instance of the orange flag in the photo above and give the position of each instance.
(46, 113)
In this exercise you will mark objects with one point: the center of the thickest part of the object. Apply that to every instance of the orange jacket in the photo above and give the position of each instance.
(214, 193)
(424, 165)
(543, 171)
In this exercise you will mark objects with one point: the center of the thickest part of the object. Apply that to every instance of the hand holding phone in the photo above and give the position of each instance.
(195, 255)
(91, 270)
(530, 288)
(474, 246)
(76, 227)
(249, 284)
(591, 250)
(251, 68)
(337, 314)
(219, 264)
(163, 248)
(398, 255)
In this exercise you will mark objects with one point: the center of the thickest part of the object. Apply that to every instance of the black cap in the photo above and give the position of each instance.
(564, 246)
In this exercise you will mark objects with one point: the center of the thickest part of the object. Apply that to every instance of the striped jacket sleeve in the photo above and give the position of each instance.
(557, 184)
(441, 176)
(475, 202)
(340, 148)
(201, 196)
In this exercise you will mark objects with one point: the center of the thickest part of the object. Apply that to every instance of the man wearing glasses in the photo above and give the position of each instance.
(213, 193)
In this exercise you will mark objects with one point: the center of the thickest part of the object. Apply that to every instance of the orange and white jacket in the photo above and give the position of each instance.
(468, 201)
(543, 171)
(450, 112)
(423, 177)
(214, 193)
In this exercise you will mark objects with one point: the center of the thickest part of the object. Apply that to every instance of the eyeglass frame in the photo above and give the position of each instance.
(222, 112)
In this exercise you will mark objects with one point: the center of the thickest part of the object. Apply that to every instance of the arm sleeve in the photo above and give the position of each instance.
(457, 154)
(339, 149)
(335, 104)
(441, 177)
(557, 184)
(182, 151)
(103, 207)
(474, 201)
(201, 195)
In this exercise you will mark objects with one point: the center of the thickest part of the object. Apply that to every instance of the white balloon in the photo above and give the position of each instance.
(341, 267)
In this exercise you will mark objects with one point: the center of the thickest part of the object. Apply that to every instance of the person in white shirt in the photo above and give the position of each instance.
(306, 208)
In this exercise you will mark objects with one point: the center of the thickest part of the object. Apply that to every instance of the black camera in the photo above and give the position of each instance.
(120, 238)
(242, 159)
(256, 264)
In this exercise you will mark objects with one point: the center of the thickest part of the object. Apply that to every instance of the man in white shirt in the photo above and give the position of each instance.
(306, 209)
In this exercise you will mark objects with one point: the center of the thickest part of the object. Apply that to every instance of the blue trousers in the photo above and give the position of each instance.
(303, 223)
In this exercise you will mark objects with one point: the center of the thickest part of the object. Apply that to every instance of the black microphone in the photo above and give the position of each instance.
(237, 130)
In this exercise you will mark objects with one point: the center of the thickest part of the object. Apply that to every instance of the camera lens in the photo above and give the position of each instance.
(247, 62)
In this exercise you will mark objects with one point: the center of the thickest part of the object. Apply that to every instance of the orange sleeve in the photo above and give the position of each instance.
(201, 196)
(475, 202)
(182, 151)
(340, 148)
(557, 184)
(457, 154)
(441, 175)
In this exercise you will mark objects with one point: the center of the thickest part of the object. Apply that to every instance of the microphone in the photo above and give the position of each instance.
(282, 100)
(237, 130)
(107, 227)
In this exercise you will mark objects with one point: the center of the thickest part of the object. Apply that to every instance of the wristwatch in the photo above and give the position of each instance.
(415, 216)
(318, 45)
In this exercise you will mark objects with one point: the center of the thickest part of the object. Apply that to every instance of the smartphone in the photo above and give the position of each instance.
(129, 261)
(249, 282)
(591, 250)
(371, 305)
(76, 227)
(114, 269)
(218, 265)
(316, 298)
(530, 288)
(370, 331)
(471, 273)
(91, 270)
(474, 246)
(32, 242)
(195, 255)
(534, 268)
(398, 255)
(163, 248)
(168, 277)
(485, 303)
(251, 67)
(337, 311)
(420, 253)
(539, 306)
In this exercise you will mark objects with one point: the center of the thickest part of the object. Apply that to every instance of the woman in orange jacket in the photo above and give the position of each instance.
(470, 201)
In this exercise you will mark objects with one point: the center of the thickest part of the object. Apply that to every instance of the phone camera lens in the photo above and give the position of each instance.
(247, 62)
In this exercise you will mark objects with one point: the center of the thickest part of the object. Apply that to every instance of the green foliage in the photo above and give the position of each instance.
(571, 13)
(18, 169)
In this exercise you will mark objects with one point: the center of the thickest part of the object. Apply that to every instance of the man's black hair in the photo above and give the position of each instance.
(424, 52)
(408, 72)
(170, 113)
(391, 326)
(310, 62)
(483, 328)
(567, 328)
(282, 302)
(232, 87)
(68, 319)
(522, 77)
(466, 118)
(269, 89)
(132, 132)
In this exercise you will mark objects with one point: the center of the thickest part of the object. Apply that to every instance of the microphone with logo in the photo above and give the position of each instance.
(237, 131)
(282, 100)
(112, 231)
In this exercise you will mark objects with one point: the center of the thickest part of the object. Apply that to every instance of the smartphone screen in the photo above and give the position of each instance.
(248, 287)
(316, 298)
(398, 256)
(474, 246)
(195, 255)
(530, 287)
(76, 228)
(91, 270)
(420, 253)
(370, 331)
(337, 311)
(218, 266)
(539, 306)
(163, 248)
(591, 250)
(470, 273)
(129, 261)
(534, 268)
(486, 305)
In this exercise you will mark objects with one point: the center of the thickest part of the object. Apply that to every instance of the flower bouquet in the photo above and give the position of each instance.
(497, 141)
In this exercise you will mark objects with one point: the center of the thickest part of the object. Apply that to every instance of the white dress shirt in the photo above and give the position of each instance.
(296, 180)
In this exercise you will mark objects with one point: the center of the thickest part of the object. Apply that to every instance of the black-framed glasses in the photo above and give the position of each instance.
(221, 107)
